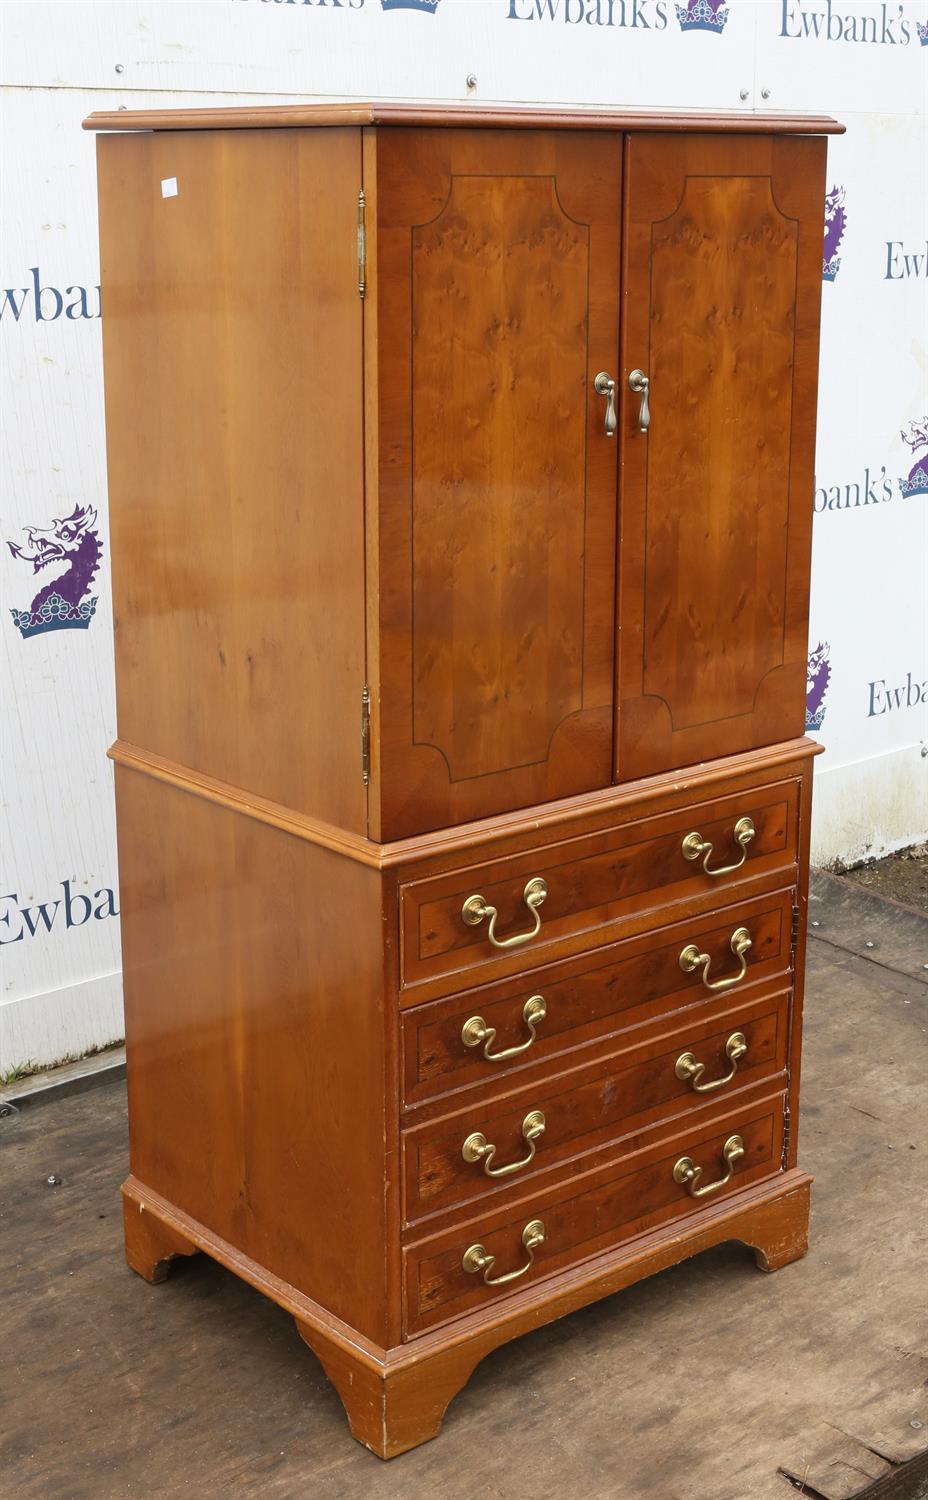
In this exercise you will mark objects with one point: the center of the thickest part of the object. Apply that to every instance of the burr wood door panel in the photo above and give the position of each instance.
(496, 287)
(722, 251)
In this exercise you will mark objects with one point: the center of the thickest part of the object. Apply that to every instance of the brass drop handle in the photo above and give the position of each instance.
(691, 959)
(475, 909)
(687, 1174)
(641, 385)
(604, 385)
(688, 1070)
(478, 1261)
(695, 845)
(476, 1031)
(478, 1148)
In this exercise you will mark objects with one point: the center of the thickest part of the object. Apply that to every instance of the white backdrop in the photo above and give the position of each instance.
(865, 62)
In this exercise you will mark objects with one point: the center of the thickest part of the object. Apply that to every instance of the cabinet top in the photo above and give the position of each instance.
(487, 116)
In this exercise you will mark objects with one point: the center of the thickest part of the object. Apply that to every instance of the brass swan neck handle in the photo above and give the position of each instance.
(475, 910)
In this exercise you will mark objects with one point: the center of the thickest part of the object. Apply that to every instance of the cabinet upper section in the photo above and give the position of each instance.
(482, 116)
(454, 471)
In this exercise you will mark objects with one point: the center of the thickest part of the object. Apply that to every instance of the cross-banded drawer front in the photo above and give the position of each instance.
(515, 912)
(485, 1036)
(517, 1140)
(496, 1253)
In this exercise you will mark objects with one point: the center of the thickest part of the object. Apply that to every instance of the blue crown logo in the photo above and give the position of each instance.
(54, 613)
(915, 436)
(703, 15)
(429, 6)
(916, 483)
(922, 28)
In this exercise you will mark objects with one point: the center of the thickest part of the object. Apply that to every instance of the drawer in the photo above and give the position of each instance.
(597, 887)
(528, 1132)
(580, 1001)
(444, 1276)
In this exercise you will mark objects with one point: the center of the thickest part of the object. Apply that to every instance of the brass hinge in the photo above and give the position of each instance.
(794, 934)
(366, 735)
(362, 245)
(784, 1158)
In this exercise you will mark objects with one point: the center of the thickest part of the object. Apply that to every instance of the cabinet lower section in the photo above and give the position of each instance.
(396, 1398)
(421, 1165)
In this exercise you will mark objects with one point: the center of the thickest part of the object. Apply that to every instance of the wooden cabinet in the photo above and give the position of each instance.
(460, 470)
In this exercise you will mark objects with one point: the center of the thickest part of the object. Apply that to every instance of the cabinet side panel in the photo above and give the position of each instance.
(233, 371)
(257, 1045)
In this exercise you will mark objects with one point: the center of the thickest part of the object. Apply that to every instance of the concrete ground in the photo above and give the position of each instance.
(902, 876)
(702, 1383)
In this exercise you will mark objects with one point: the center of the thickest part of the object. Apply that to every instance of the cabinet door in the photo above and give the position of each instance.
(722, 264)
(496, 291)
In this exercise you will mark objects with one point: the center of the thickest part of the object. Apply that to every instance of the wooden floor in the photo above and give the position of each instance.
(200, 1388)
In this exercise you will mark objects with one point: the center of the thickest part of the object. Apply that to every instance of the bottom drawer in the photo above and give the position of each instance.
(454, 1272)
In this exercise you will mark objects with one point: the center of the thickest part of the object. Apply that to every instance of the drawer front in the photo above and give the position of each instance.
(448, 922)
(444, 1275)
(585, 999)
(535, 1129)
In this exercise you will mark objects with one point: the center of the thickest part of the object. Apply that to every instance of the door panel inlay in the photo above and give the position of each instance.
(722, 317)
(499, 344)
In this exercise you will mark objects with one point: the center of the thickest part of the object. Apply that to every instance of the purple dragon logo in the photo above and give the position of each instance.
(702, 15)
(922, 28)
(818, 676)
(72, 548)
(835, 221)
(915, 436)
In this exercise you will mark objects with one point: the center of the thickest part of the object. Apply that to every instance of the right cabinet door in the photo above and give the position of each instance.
(722, 284)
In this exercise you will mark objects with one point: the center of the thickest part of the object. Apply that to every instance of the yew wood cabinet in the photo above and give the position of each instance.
(461, 471)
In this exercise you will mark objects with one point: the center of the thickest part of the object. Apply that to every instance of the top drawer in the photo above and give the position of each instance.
(593, 885)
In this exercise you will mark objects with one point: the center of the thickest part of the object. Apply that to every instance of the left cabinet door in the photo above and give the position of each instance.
(493, 306)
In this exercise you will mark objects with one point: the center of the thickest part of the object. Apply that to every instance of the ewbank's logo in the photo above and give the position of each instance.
(428, 6)
(72, 548)
(703, 15)
(818, 676)
(835, 221)
(883, 25)
(915, 436)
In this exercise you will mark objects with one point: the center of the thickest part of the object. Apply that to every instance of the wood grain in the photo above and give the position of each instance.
(497, 116)
(721, 267)
(497, 306)
(636, 982)
(596, 885)
(232, 323)
(589, 1109)
(255, 1033)
(598, 809)
(588, 1214)
(499, 336)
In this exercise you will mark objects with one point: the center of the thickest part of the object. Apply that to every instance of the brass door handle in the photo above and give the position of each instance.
(478, 1148)
(475, 909)
(691, 959)
(476, 1031)
(687, 1174)
(604, 385)
(688, 1070)
(641, 385)
(477, 1260)
(695, 845)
